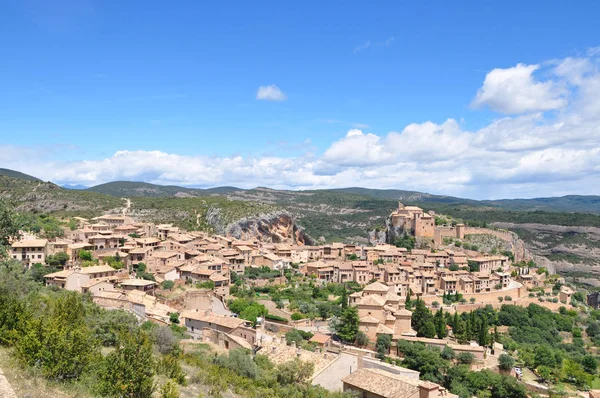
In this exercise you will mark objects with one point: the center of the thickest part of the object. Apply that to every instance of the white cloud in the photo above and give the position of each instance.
(515, 90)
(270, 93)
(533, 153)
(368, 44)
(362, 47)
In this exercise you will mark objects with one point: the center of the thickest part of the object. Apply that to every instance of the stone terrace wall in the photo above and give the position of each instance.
(504, 235)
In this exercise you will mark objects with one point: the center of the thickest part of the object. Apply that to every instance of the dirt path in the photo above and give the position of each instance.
(6, 390)
(272, 307)
(127, 209)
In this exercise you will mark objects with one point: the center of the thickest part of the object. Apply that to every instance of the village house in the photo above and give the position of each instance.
(141, 285)
(378, 383)
(30, 251)
(198, 321)
(380, 312)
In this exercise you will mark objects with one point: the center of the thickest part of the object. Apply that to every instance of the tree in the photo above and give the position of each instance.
(165, 339)
(128, 371)
(407, 302)
(483, 337)
(384, 342)
(420, 317)
(85, 255)
(505, 362)
(38, 271)
(295, 371)
(574, 372)
(347, 326)
(58, 259)
(168, 285)
(590, 364)
(440, 324)
(428, 330)
(240, 362)
(58, 342)
(294, 336)
(448, 353)
(465, 358)
(9, 225)
(361, 339)
(546, 373)
(174, 317)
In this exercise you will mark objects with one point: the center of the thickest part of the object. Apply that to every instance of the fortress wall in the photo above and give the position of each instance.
(504, 235)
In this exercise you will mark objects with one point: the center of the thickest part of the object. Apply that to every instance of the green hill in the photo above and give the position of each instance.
(133, 189)
(18, 174)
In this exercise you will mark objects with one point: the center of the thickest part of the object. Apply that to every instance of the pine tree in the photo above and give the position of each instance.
(348, 324)
(407, 302)
(420, 316)
(496, 335)
(440, 324)
(460, 331)
(428, 330)
(483, 333)
(455, 322)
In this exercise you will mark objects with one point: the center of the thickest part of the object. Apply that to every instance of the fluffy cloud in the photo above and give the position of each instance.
(533, 153)
(515, 90)
(270, 93)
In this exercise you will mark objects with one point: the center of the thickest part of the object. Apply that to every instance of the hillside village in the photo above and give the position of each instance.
(164, 274)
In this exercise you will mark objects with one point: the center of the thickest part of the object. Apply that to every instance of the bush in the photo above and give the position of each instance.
(507, 298)
(295, 371)
(506, 362)
(500, 299)
(165, 339)
(294, 336)
(59, 343)
(240, 362)
(361, 339)
(169, 366)
(465, 358)
(128, 371)
(296, 316)
(448, 353)
(168, 285)
(174, 317)
(271, 317)
(169, 390)
(85, 255)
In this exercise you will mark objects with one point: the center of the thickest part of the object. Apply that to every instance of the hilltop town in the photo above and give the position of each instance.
(294, 301)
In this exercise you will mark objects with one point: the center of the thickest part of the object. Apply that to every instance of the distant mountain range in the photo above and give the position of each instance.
(569, 203)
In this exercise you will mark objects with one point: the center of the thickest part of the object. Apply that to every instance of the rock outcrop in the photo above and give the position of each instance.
(276, 227)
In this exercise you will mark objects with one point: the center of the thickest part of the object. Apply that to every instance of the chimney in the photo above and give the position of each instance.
(429, 390)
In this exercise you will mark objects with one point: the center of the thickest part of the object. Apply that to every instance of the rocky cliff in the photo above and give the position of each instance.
(276, 227)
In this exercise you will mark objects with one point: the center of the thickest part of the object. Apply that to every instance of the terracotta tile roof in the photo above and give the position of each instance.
(137, 282)
(385, 384)
(376, 287)
(372, 300)
(220, 320)
(320, 338)
(30, 243)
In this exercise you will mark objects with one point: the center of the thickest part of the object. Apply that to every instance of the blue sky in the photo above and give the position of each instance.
(86, 81)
